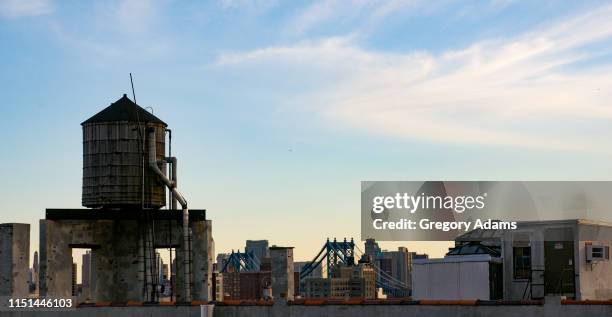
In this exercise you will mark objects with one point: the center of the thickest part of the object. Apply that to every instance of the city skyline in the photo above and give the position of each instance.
(277, 109)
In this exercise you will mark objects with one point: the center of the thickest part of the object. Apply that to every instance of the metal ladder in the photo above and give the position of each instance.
(151, 278)
(530, 284)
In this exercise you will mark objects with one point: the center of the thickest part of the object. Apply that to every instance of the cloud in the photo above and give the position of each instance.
(333, 50)
(523, 91)
(369, 11)
(23, 8)
(367, 15)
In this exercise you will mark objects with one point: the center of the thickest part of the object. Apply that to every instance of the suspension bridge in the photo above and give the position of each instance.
(241, 262)
(331, 254)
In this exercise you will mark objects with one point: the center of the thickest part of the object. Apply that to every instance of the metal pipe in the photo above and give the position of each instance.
(173, 162)
(172, 201)
(178, 196)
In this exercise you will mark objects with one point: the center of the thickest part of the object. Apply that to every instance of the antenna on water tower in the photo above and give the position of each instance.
(133, 93)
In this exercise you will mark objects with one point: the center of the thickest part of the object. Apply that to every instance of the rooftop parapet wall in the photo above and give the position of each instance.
(113, 236)
(552, 307)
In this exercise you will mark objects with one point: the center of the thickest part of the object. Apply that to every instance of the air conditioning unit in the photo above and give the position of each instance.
(596, 253)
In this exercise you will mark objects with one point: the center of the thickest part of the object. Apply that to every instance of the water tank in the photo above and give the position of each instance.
(115, 158)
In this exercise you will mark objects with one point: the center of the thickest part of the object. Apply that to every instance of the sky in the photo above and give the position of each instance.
(280, 108)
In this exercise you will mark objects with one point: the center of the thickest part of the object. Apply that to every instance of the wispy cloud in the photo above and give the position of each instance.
(337, 11)
(367, 15)
(310, 52)
(23, 8)
(521, 91)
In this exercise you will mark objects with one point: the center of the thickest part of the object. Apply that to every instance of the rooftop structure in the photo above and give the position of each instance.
(541, 258)
(126, 176)
(14, 259)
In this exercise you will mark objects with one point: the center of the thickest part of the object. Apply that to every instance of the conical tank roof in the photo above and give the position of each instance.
(124, 109)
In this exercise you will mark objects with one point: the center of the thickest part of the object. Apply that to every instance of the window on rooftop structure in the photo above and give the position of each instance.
(83, 275)
(521, 257)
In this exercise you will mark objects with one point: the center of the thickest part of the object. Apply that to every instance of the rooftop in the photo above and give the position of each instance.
(124, 109)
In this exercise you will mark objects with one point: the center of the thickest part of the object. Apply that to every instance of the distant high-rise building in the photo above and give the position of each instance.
(86, 270)
(371, 248)
(217, 287)
(396, 265)
(165, 282)
(325, 287)
(265, 265)
(259, 248)
(172, 282)
(253, 283)
(345, 281)
(402, 261)
(243, 285)
(222, 258)
(316, 272)
(74, 279)
(165, 269)
(231, 285)
(35, 262)
(159, 265)
(300, 284)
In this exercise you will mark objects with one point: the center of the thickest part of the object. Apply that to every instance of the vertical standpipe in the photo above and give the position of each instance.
(179, 197)
(173, 179)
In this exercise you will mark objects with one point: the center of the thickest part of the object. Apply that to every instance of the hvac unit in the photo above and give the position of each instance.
(596, 253)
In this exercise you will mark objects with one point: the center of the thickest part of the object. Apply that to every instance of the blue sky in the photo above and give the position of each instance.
(279, 109)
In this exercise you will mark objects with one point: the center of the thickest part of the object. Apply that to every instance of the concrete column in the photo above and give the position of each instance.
(55, 260)
(202, 257)
(126, 284)
(281, 259)
(102, 264)
(115, 269)
(14, 259)
(179, 291)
